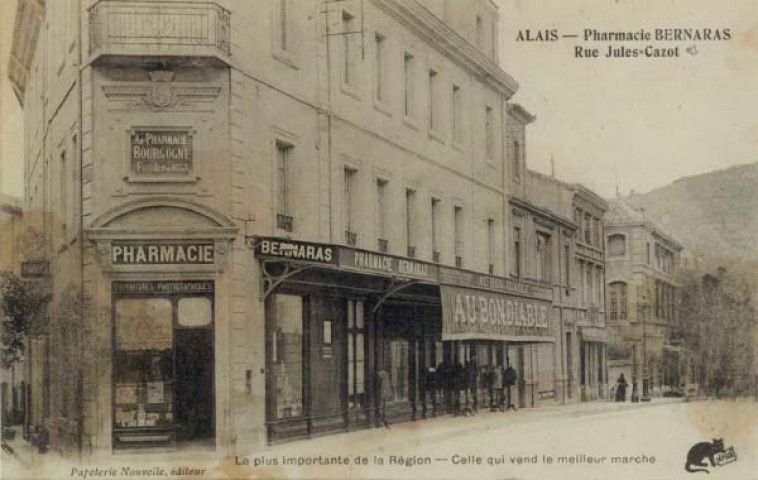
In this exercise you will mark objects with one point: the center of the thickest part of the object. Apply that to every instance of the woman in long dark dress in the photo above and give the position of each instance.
(621, 389)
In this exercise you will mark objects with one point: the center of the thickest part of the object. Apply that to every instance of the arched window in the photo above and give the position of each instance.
(616, 244)
(617, 300)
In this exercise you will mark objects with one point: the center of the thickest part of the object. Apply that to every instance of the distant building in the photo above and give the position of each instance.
(571, 226)
(641, 286)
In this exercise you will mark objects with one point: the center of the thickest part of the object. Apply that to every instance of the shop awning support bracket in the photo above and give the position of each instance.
(395, 286)
(271, 282)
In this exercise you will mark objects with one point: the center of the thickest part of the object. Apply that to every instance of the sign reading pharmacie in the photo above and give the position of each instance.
(158, 152)
(162, 253)
(478, 314)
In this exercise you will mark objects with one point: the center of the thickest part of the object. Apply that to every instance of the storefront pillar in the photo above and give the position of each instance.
(371, 363)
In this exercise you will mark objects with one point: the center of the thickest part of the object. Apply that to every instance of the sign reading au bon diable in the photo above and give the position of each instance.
(162, 253)
(478, 314)
(157, 152)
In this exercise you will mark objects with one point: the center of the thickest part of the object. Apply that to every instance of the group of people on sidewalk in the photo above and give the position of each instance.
(460, 389)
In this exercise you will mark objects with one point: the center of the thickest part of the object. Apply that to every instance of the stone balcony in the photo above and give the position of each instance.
(159, 28)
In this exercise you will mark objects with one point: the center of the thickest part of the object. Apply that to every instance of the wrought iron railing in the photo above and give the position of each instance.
(159, 27)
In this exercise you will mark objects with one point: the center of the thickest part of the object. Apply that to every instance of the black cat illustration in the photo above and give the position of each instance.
(700, 451)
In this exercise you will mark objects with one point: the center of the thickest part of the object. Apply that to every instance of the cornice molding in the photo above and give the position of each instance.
(438, 34)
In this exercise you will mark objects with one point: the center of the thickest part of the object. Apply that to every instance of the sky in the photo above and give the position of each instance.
(638, 123)
(645, 122)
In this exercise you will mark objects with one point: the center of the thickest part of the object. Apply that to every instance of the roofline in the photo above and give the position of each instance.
(521, 113)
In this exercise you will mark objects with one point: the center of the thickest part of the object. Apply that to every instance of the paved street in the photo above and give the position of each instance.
(597, 440)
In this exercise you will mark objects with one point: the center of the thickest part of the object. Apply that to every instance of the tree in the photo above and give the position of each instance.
(716, 323)
(23, 306)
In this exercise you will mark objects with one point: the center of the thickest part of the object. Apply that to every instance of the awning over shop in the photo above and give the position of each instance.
(469, 314)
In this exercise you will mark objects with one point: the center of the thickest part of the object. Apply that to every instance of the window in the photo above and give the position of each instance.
(456, 117)
(410, 200)
(63, 195)
(396, 359)
(287, 355)
(381, 213)
(348, 32)
(408, 84)
(567, 262)
(282, 37)
(516, 264)
(356, 372)
(648, 253)
(617, 300)
(458, 235)
(489, 132)
(143, 363)
(590, 285)
(543, 257)
(516, 160)
(479, 33)
(491, 245)
(379, 42)
(349, 200)
(432, 100)
(435, 229)
(283, 181)
(587, 229)
(617, 244)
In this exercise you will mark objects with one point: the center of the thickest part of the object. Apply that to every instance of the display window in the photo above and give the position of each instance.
(287, 353)
(162, 369)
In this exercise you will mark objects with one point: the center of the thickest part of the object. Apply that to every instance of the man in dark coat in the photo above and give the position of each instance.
(510, 377)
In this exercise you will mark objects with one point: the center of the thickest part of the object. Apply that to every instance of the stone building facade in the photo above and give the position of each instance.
(641, 286)
(268, 220)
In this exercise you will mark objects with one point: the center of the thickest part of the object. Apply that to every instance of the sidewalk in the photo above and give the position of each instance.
(409, 434)
(440, 428)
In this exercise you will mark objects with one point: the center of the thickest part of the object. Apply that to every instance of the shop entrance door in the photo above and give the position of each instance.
(194, 385)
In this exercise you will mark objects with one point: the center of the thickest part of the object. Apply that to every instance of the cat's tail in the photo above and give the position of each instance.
(693, 470)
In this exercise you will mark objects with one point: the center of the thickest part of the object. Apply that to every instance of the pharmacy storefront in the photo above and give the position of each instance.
(338, 318)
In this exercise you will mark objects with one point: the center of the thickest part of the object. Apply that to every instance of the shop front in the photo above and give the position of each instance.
(356, 338)
(164, 292)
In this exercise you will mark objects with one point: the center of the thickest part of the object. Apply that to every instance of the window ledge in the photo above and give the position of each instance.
(288, 58)
(382, 107)
(436, 135)
(410, 122)
(158, 179)
(350, 90)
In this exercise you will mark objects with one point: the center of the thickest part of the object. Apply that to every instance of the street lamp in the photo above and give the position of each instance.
(644, 309)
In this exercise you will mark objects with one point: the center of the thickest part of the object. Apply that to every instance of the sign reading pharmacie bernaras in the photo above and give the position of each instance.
(343, 257)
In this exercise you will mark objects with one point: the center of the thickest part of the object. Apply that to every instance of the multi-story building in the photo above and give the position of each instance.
(568, 221)
(255, 210)
(641, 286)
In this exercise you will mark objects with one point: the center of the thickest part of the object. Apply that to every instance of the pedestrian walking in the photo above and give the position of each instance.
(510, 377)
(497, 388)
(384, 393)
(621, 389)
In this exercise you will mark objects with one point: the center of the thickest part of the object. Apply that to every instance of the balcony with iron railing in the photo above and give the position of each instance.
(162, 28)
(284, 222)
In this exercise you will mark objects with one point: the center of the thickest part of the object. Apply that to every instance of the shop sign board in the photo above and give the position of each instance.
(162, 253)
(464, 278)
(35, 269)
(157, 152)
(370, 262)
(282, 248)
(163, 288)
(478, 314)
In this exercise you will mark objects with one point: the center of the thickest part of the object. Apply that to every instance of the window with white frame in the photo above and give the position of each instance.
(408, 65)
(456, 116)
(284, 157)
(348, 197)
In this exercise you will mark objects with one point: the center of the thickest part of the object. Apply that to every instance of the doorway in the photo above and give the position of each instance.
(194, 385)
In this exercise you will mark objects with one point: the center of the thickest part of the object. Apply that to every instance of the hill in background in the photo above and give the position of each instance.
(714, 215)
